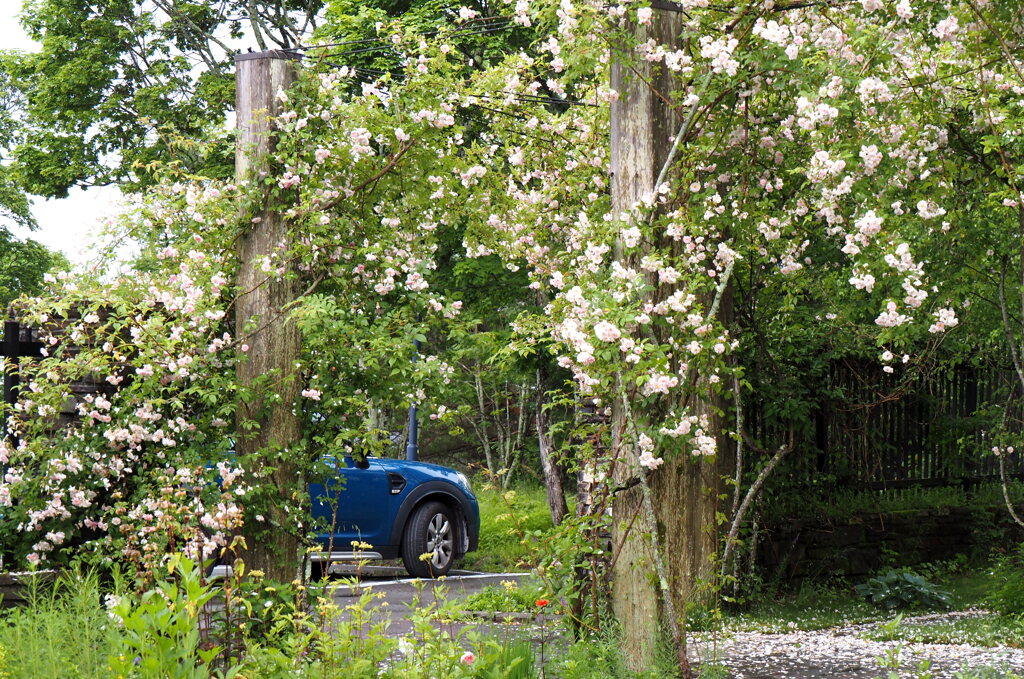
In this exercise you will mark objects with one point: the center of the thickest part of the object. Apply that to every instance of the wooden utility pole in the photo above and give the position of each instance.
(267, 373)
(683, 490)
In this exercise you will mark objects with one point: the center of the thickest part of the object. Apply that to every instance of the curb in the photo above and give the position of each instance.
(350, 590)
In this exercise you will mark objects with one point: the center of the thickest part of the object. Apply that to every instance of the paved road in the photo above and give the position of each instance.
(399, 594)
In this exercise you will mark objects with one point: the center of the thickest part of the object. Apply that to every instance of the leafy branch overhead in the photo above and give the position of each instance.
(817, 188)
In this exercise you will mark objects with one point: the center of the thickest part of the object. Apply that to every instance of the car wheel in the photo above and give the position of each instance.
(430, 530)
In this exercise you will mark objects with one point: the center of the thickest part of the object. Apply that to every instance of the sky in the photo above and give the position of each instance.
(66, 224)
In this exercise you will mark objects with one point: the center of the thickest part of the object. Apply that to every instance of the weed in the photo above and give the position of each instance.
(597, 656)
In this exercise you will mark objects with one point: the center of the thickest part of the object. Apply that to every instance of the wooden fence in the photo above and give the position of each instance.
(18, 341)
(22, 341)
(868, 433)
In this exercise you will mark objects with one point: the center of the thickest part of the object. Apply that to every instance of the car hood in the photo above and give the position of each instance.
(423, 471)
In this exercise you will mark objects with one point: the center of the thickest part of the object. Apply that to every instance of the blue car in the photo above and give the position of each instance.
(384, 509)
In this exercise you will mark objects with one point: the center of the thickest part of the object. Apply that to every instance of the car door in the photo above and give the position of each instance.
(361, 498)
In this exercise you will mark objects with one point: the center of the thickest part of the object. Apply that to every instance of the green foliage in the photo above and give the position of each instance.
(509, 596)
(1007, 595)
(509, 660)
(703, 616)
(355, 20)
(511, 523)
(14, 203)
(596, 656)
(161, 637)
(986, 672)
(64, 632)
(22, 265)
(902, 590)
(122, 83)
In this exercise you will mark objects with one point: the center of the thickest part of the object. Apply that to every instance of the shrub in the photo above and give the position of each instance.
(1007, 596)
(901, 590)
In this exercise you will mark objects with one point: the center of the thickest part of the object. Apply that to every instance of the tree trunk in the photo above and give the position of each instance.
(481, 431)
(516, 443)
(261, 321)
(552, 470)
(684, 490)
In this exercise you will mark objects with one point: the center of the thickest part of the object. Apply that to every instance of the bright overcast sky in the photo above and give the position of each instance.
(66, 224)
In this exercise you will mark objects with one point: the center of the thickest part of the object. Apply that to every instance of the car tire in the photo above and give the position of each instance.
(431, 528)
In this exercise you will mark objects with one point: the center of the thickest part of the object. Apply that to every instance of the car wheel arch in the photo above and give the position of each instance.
(430, 492)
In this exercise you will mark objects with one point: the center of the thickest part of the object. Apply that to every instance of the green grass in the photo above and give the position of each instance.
(64, 634)
(503, 516)
(968, 590)
(812, 608)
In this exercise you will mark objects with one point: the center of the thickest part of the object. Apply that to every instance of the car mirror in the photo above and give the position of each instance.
(362, 463)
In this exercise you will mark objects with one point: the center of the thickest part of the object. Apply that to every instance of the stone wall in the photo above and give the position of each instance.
(861, 545)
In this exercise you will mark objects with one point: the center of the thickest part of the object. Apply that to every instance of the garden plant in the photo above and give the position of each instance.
(643, 219)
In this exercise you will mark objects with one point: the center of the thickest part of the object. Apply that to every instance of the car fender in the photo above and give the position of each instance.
(416, 495)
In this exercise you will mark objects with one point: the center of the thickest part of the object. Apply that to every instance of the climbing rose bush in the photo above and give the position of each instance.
(839, 166)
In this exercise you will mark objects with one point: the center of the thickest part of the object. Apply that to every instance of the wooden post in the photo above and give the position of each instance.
(267, 375)
(10, 357)
(684, 490)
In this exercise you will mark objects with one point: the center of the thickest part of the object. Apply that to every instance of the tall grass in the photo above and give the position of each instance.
(64, 632)
(503, 519)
